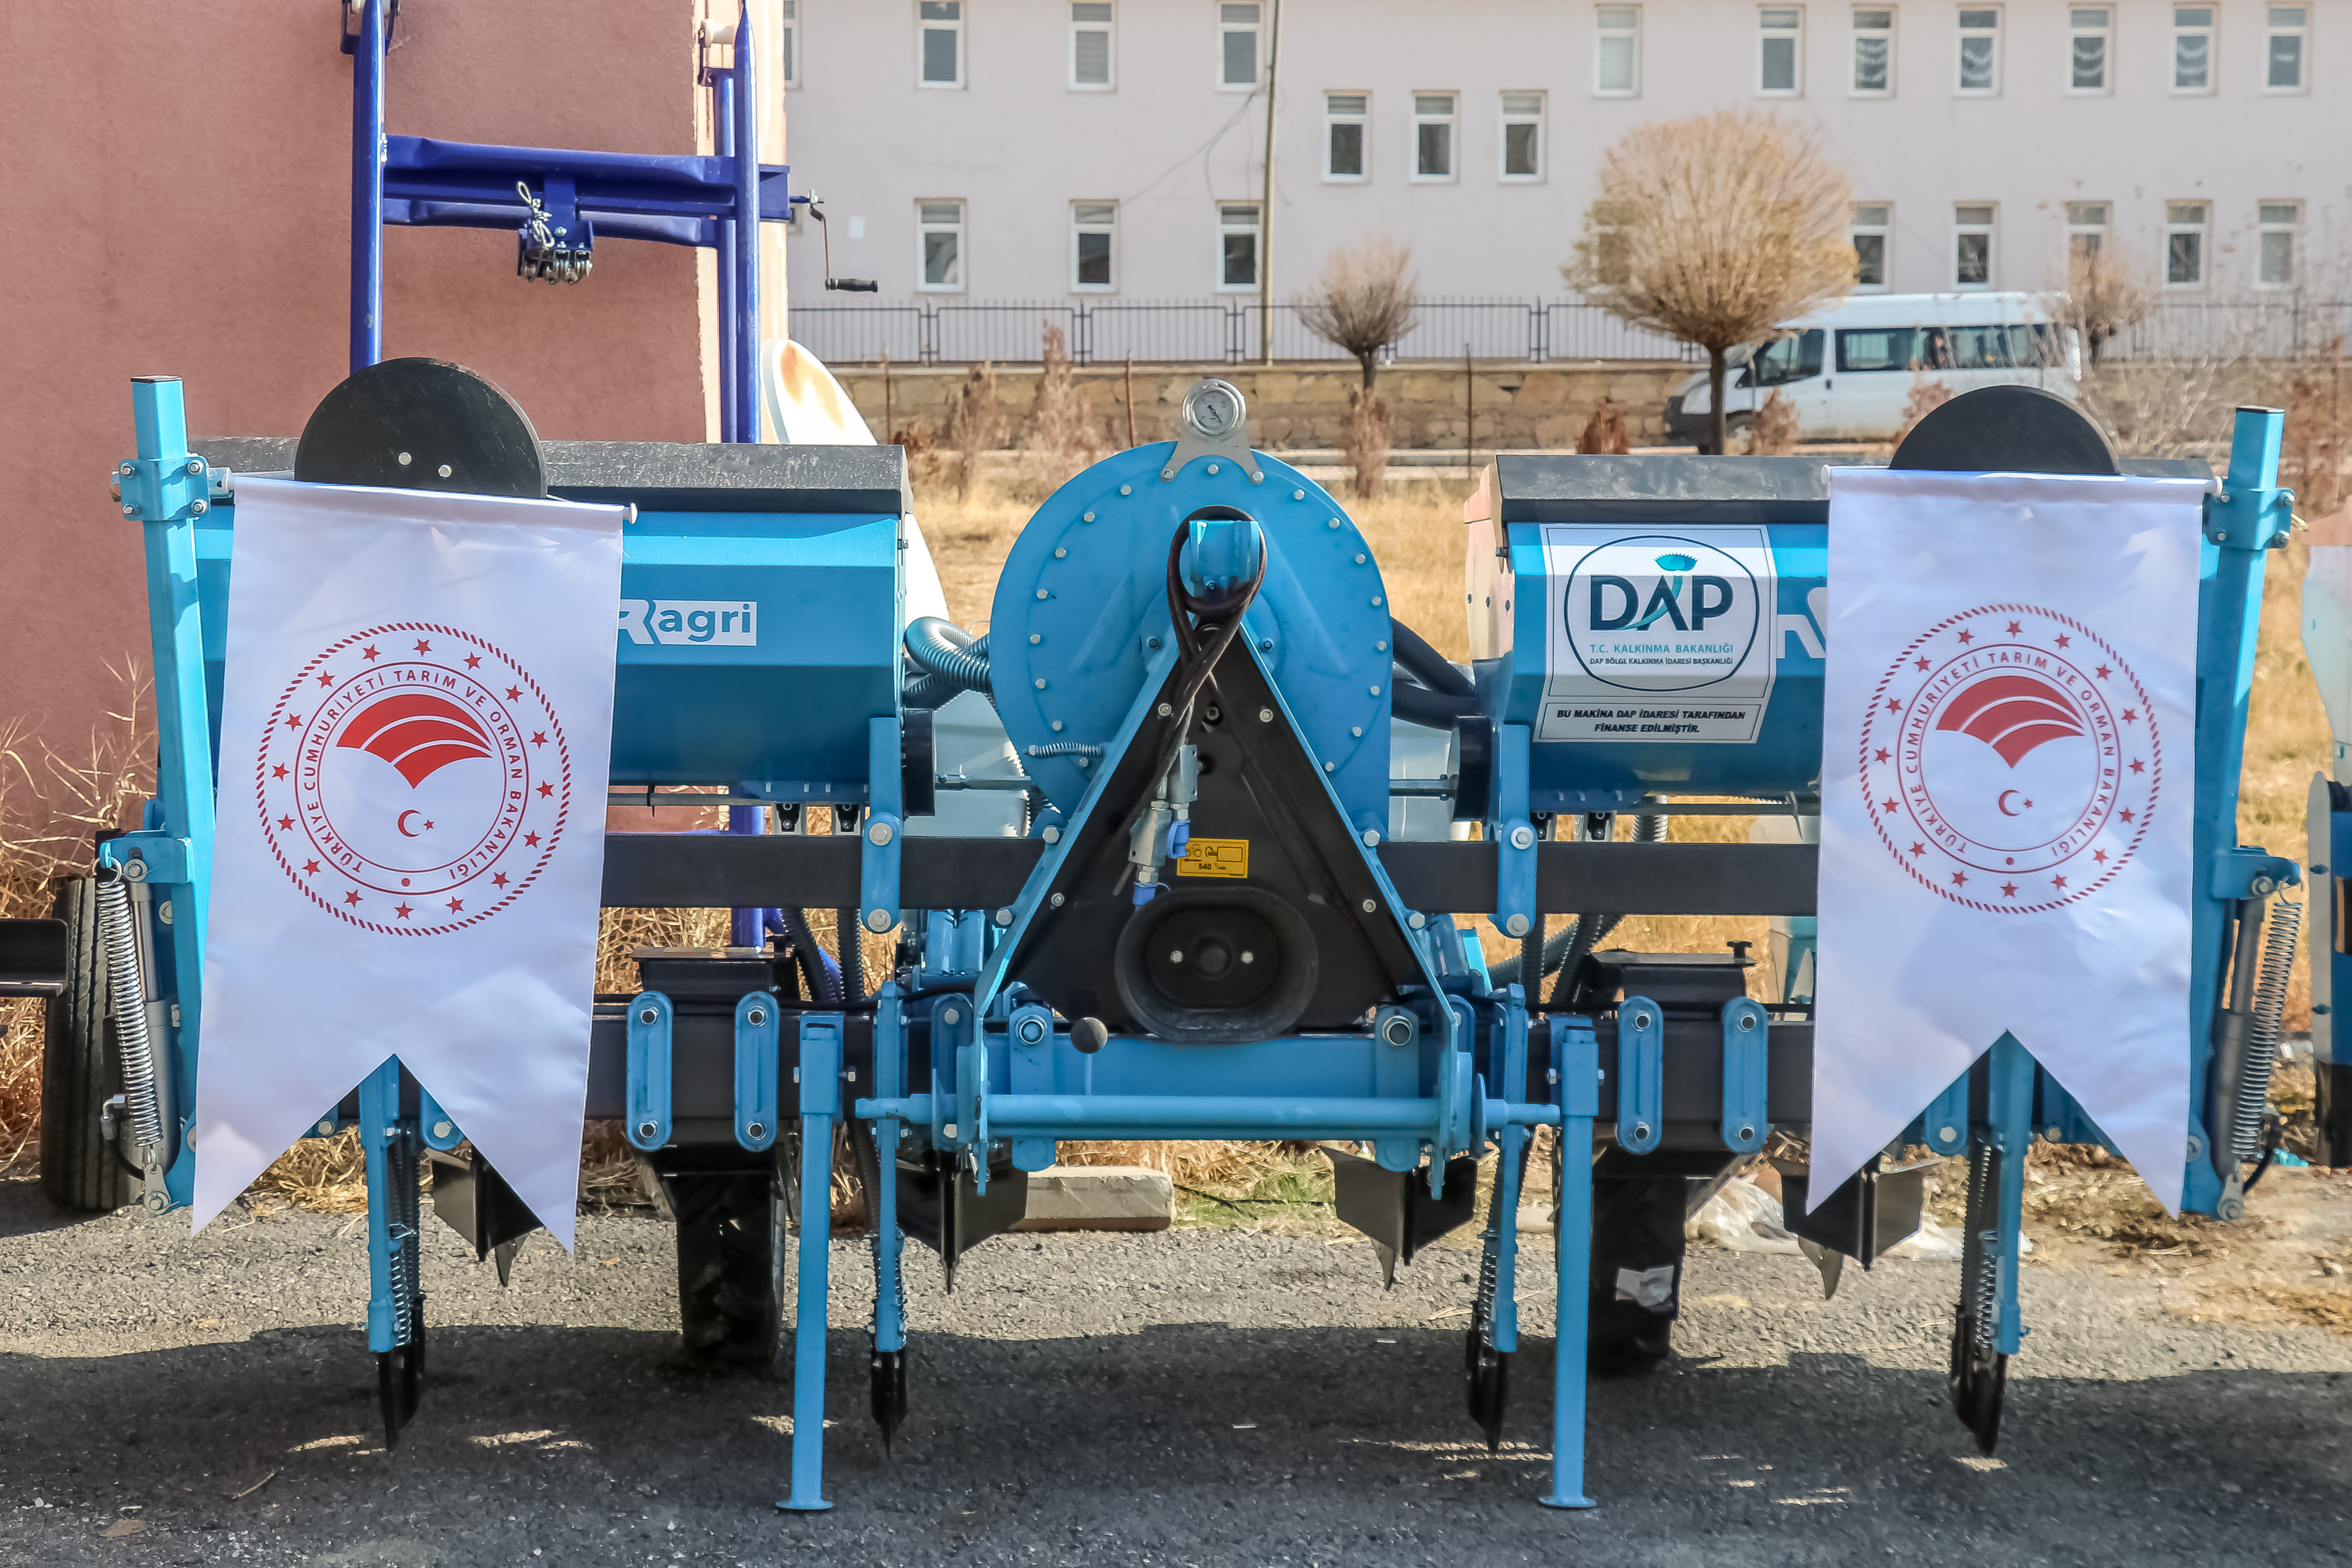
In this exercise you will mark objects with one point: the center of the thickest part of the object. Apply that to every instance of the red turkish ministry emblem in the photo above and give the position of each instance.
(2010, 759)
(414, 779)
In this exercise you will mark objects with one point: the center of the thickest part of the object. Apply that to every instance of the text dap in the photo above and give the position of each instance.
(717, 623)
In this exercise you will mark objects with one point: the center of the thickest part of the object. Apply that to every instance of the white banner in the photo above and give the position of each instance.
(2008, 733)
(414, 739)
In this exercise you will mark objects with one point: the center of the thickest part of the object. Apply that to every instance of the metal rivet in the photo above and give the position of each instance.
(1335, 522)
(1381, 646)
(1299, 495)
(1165, 709)
(326, 1129)
(1051, 835)
(1089, 518)
(1125, 490)
(1369, 906)
(757, 1130)
(1371, 839)
(2054, 1132)
(645, 1129)
(1946, 1134)
(1039, 683)
(647, 1016)
(404, 459)
(1359, 558)
(1176, 955)
(445, 470)
(1376, 599)
(1416, 920)
(1041, 592)
(1056, 902)
(1357, 730)
(1058, 726)
(442, 1129)
(1266, 715)
(1248, 957)
(1376, 689)
(1059, 552)
(163, 911)
(1035, 638)
(952, 1017)
(1212, 467)
(1004, 917)
(756, 1017)
(1331, 767)
(880, 833)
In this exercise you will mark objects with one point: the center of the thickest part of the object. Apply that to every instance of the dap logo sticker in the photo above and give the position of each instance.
(1661, 613)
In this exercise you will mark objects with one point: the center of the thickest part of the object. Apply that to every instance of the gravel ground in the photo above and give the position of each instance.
(1197, 1396)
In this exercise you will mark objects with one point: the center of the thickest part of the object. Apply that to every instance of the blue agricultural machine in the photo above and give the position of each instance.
(1227, 894)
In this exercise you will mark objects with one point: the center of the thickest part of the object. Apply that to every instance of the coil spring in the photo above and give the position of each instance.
(1984, 1283)
(405, 1232)
(2279, 938)
(1490, 1272)
(121, 935)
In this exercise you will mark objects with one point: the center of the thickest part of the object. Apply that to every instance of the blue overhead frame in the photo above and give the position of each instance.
(714, 203)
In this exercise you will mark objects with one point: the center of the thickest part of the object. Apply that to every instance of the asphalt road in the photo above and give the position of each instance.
(1196, 1397)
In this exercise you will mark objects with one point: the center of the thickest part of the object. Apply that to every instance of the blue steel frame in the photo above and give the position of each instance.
(715, 202)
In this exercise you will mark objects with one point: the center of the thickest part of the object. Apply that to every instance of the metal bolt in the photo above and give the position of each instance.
(156, 1202)
(880, 833)
(1212, 467)
(756, 1017)
(442, 1129)
(1515, 926)
(877, 920)
(951, 1016)
(645, 1129)
(1641, 1020)
(197, 508)
(1416, 920)
(1004, 917)
(757, 1130)
(1299, 495)
(130, 511)
(327, 1128)
(950, 1130)
(1039, 683)
(1551, 1075)
(404, 459)
(1359, 558)
(2263, 887)
(1331, 767)
(1059, 552)
(1056, 902)
(1371, 839)
(1031, 1030)
(2054, 1132)
(1357, 730)
(1041, 592)
(2219, 537)
(1090, 517)
(1946, 1134)
(1398, 1030)
(1641, 1130)
(1051, 835)
(163, 911)
(1523, 837)
(195, 465)
(1335, 522)
(1746, 1023)
(1745, 1134)
(445, 470)
(130, 468)
(134, 871)
(1369, 906)
(1376, 601)
(1248, 957)
(1165, 709)
(1175, 955)
(647, 1016)
(1035, 638)
(1123, 489)
(1058, 726)
(1266, 715)
(1376, 689)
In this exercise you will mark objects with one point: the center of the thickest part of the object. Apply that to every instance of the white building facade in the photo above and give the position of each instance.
(1098, 153)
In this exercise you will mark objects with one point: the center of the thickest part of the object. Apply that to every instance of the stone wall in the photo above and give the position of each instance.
(1295, 406)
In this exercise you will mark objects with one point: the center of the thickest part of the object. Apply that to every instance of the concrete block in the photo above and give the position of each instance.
(1099, 1198)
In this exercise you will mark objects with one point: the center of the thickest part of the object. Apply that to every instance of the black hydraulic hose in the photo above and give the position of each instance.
(816, 965)
(1565, 950)
(1428, 665)
(1420, 705)
(851, 968)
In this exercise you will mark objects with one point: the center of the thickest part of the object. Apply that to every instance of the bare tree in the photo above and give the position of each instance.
(1774, 432)
(1715, 230)
(1059, 426)
(1364, 300)
(975, 424)
(2105, 298)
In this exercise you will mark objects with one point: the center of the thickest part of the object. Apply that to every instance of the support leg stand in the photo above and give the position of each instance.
(1578, 1054)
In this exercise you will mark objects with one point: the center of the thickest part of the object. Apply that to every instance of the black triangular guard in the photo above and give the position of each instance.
(475, 1201)
(1427, 1218)
(1260, 785)
(505, 1254)
(1980, 1379)
(1394, 1208)
(1490, 1389)
(888, 1373)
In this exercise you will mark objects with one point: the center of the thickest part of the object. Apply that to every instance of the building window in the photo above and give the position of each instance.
(1980, 50)
(2193, 49)
(939, 245)
(1237, 29)
(1090, 53)
(1617, 64)
(2089, 30)
(2288, 27)
(2184, 244)
(1523, 118)
(1972, 246)
(1874, 53)
(2276, 224)
(1873, 223)
(1432, 135)
(789, 42)
(2086, 231)
(1345, 115)
(1780, 58)
(1237, 233)
(938, 29)
(1092, 226)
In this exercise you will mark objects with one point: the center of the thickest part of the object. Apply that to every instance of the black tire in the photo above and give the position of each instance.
(730, 1255)
(80, 1071)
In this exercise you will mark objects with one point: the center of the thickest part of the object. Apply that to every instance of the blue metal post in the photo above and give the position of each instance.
(731, 234)
(379, 1110)
(165, 489)
(1503, 1327)
(367, 187)
(2010, 1110)
(820, 1085)
(748, 928)
(747, 235)
(1577, 1053)
(2239, 526)
(889, 1080)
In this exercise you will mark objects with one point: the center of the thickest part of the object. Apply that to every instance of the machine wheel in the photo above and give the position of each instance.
(81, 1071)
(729, 1253)
(1735, 428)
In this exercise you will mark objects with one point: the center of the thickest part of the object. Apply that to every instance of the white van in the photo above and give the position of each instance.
(1849, 369)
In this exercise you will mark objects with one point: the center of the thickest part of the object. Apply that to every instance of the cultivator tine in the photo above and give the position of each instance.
(890, 1392)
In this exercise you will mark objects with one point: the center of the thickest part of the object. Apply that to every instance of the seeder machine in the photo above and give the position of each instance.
(1225, 894)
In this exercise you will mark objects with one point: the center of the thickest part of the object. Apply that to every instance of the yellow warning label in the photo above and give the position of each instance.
(1215, 858)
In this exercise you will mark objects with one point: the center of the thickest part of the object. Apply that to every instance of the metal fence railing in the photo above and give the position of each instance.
(953, 330)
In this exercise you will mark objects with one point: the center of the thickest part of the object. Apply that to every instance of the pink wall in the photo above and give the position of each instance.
(177, 182)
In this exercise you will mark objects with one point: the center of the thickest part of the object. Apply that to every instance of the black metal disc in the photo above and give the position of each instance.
(2011, 429)
(422, 424)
